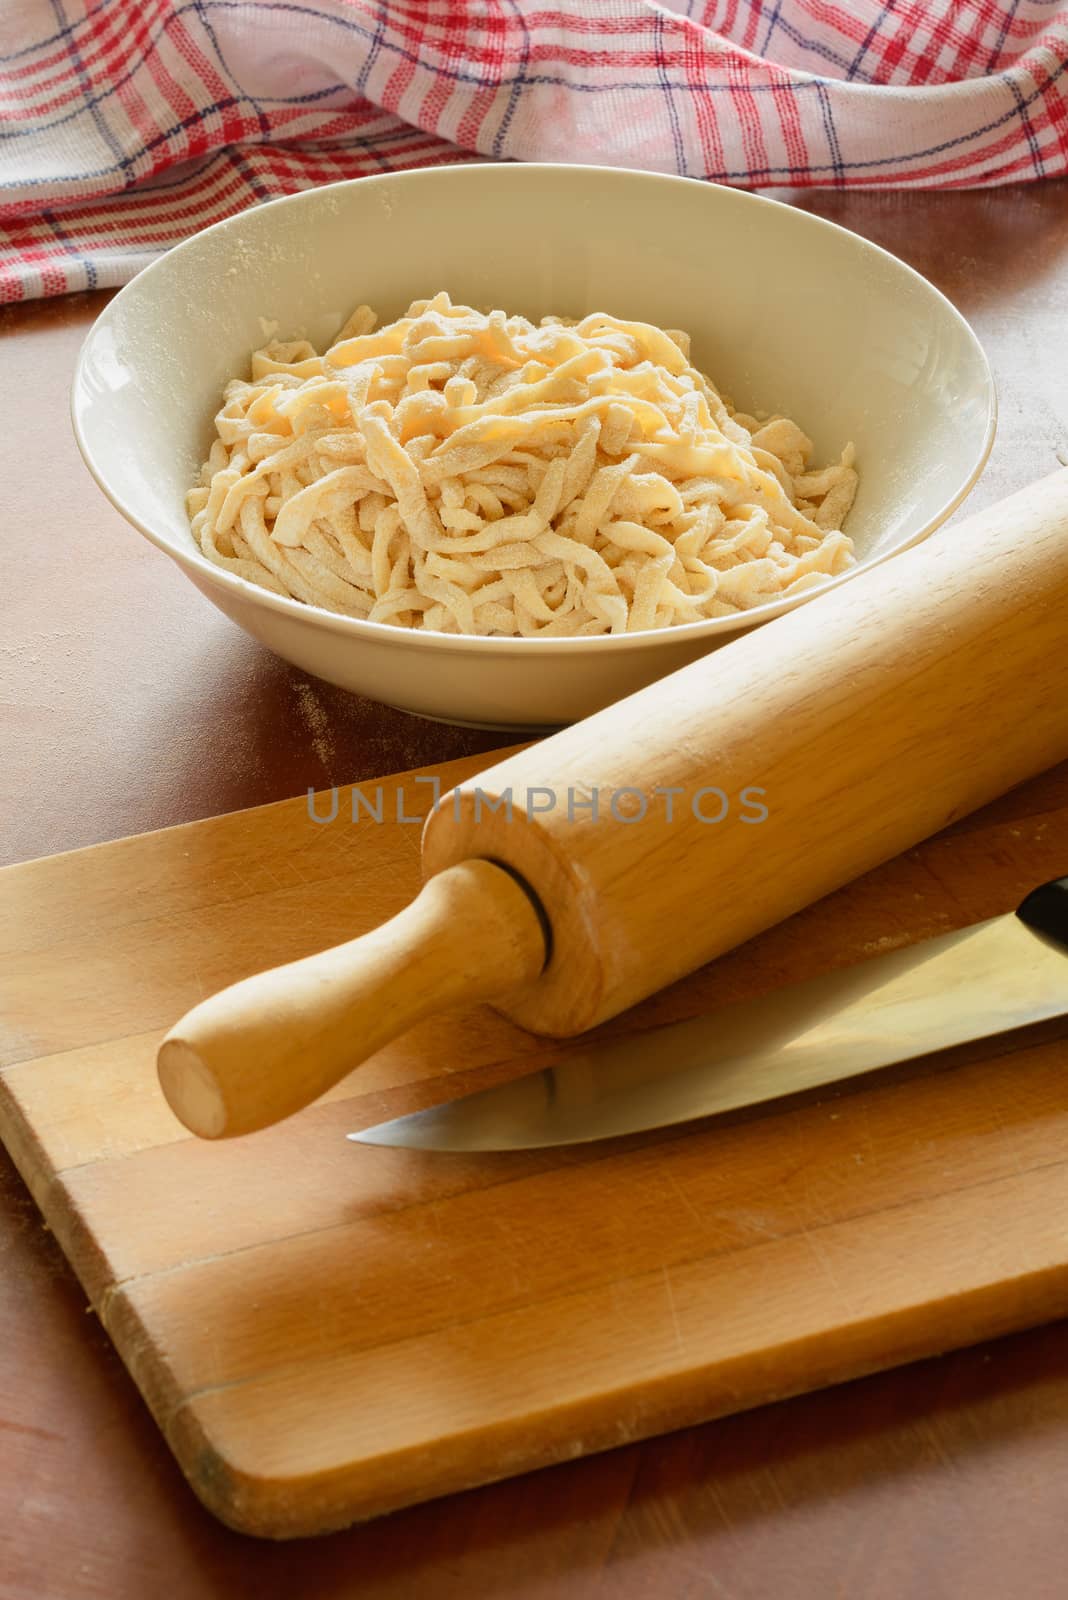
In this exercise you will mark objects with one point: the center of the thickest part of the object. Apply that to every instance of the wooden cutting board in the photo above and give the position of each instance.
(325, 1331)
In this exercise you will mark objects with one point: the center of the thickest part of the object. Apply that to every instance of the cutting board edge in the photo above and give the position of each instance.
(83, 1255)
(58, 858)
(313, 1505)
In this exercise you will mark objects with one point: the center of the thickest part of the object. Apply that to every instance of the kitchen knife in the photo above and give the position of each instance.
(973, 984)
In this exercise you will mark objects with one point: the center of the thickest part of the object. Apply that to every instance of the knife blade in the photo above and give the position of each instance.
(973, 984)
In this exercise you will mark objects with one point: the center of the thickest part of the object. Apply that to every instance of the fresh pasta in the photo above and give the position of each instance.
(474, 472)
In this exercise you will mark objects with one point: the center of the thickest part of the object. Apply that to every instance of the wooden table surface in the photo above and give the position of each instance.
(127, 704)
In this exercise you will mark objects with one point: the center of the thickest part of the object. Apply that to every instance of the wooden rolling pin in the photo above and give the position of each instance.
(870, 718)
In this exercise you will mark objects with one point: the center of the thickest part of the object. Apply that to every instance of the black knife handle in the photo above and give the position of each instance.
(1046, 910)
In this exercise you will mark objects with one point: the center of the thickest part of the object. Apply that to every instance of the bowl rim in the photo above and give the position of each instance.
(384, 633)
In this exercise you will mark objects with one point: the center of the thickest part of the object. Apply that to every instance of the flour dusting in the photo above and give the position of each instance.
(317, 723)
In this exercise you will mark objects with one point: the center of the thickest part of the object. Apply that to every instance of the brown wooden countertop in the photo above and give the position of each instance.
(128, 703)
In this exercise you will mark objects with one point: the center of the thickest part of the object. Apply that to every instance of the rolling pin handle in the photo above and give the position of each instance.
(1046, 911)
(267, 1046)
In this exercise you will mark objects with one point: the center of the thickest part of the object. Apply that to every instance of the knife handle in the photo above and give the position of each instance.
(1046, 910)
(267, 1046)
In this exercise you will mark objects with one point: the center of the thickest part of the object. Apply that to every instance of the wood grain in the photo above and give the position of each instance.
(874, 715)
(939, 1479)
(326, 1333)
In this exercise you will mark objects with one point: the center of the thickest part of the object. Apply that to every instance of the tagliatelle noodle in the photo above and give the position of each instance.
(472, 472)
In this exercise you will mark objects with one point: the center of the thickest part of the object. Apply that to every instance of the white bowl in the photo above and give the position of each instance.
(787, 313)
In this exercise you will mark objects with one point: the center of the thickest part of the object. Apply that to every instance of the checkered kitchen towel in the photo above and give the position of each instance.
(126, 125)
